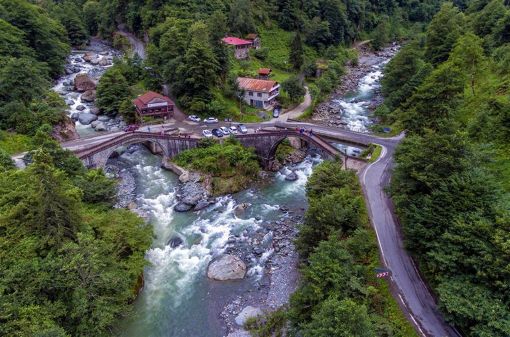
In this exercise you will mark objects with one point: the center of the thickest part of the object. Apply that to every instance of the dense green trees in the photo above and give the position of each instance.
(112, 89)
(338, 295)
(68, 268)
(450, 183)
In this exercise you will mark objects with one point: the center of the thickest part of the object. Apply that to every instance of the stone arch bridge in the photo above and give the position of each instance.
(96, 154)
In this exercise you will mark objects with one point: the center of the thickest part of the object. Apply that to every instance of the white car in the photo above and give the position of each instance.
(207, 134)
(233, 130)
(225, 130)
(194, 118)
(211, 120)
(243, 128)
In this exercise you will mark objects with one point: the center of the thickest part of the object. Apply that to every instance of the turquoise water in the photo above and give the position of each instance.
(177, 299)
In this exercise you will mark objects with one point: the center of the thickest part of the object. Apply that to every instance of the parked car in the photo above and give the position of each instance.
(194, 118)
(217, 133)
(211, 120)
(225, 130)
(131, 128)
(233, 130)
(276, 111)
(207, 133)
(242, 128)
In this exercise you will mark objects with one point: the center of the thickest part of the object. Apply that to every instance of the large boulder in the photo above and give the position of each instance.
(65, 130)
(101, 127)
(175, 241)
(182, 207)
(192, 192)
(227, 267)
(80, 107)
(89, 56)
(86, 118)
(104, 62)
(88, 96)
(292, 176)
(247, 313)
(83, 82)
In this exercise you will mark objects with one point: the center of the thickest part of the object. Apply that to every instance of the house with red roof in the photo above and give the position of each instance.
(241, 47)
(264, 73)
(154, 105)
(259, 93)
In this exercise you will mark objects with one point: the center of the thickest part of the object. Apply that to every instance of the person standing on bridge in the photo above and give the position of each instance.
(311, 132)
(149, 128)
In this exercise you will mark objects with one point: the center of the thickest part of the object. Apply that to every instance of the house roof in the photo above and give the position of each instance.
(143, 100)
(264, 71)
(251, 36)
(235, 41)
(254, 84)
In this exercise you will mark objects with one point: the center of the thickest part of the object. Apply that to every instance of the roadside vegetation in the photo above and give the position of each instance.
(230, 166)
(339, 293)
(449, 90)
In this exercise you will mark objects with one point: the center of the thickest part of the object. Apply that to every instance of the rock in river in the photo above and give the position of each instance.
(292, 176)
(247, 313)
(82, 82)
(175, 241)
(86, 118)
(227, 267)
(80, 107)
(88, 96)
(182, 207)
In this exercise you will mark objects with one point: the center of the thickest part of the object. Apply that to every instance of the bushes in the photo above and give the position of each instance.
(338, 295)
(231, 165)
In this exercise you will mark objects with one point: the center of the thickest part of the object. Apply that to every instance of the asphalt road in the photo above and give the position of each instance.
(407, 285)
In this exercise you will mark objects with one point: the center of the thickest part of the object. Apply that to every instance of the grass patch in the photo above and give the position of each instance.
(271, 325)
(14, 143)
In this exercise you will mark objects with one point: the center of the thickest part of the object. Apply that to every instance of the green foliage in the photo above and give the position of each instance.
(67, 269)
(68, 14)
(442, 32)
(46, 37)
(231, 165)
(91, 16)
(6, 162)
(340, 319)
(338, 295)
(451, 168)
(112, 90)
(271, 325)
(380, 36)
(96, 187)
(294, 87)
(296, 52)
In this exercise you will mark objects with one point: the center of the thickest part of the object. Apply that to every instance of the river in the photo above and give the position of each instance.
(177, 299)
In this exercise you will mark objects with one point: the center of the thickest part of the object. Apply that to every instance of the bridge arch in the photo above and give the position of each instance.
(157, 143)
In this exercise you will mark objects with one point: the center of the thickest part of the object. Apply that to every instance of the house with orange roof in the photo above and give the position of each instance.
(259, 93)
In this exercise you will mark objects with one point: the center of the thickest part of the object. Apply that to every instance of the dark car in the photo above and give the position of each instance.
(131, 128)
(217, 132)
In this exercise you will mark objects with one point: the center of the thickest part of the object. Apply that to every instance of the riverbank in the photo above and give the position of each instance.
(352, 104)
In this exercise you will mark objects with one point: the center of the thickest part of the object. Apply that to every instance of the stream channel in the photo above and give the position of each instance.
(178, 300)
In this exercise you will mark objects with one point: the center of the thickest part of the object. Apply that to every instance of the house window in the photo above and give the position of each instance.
(250, 93)
(259, 94)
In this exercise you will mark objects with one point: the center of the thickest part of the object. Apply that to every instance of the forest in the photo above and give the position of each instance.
(449, 89)
(66, 273)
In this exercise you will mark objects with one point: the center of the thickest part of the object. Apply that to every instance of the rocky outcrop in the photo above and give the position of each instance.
(175, 242)
(83, 82)
(227, 267)
(247, 313)
(182, 207)
(88, 96)
(241, 208)
(291, 176)
(65, 130)
(86, 118)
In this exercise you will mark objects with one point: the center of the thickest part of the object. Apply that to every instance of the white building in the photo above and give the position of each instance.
(259, 93)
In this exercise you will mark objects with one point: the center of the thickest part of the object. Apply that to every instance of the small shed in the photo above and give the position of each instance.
(264, 73)
(255, 40)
